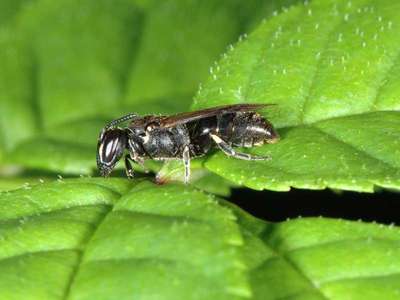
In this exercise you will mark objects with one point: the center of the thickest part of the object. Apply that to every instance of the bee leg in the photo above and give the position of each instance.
(128, 167)
(186, 162)
(228, 150)
(140, 161)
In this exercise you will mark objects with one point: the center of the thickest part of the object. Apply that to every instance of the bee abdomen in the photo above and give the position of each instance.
(247, 129)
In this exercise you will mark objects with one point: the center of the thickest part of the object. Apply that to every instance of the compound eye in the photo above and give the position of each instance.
(111, 146)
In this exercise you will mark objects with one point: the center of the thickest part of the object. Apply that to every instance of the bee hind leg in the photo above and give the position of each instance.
(229, 151)
(186, 162)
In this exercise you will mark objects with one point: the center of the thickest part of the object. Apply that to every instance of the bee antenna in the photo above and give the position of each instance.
(121, 120)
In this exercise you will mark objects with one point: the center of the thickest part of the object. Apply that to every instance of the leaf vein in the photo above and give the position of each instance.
(19, 255)
(374, 276)
(323, 244)
(317, 70)
(383, 81)
(354, 147)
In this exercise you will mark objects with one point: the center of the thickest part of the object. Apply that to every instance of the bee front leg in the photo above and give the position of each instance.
(186, 162)
(228, 150)
(128, 166)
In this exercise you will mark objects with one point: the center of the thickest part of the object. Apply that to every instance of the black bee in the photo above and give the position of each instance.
(183, 136)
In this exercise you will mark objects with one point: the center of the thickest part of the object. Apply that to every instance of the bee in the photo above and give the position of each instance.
(183, 136)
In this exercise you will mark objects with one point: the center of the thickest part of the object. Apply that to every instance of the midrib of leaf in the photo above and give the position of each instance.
(313, 286)
(277, 255)
(319, 286)
(96, 250)
(303, 275)
(81, 252)
(45, 205)
(262, 231)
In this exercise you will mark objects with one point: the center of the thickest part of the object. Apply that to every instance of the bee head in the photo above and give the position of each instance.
(110, 148)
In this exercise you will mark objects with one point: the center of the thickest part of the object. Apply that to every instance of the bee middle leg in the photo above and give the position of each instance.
(228, 150)
(128, 166)
(186, 162)
(140, 161)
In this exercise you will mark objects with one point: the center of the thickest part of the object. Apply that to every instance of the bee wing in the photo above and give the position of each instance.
(186, 117)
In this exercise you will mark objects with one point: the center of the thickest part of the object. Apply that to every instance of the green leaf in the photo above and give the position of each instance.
(332, 69)
(316, 258)
(109, 239)
(100, 239)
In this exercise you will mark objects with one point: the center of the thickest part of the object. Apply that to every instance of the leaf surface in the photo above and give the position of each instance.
(316, 258)
(332, 69)
(169, 241)
(109, 239)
